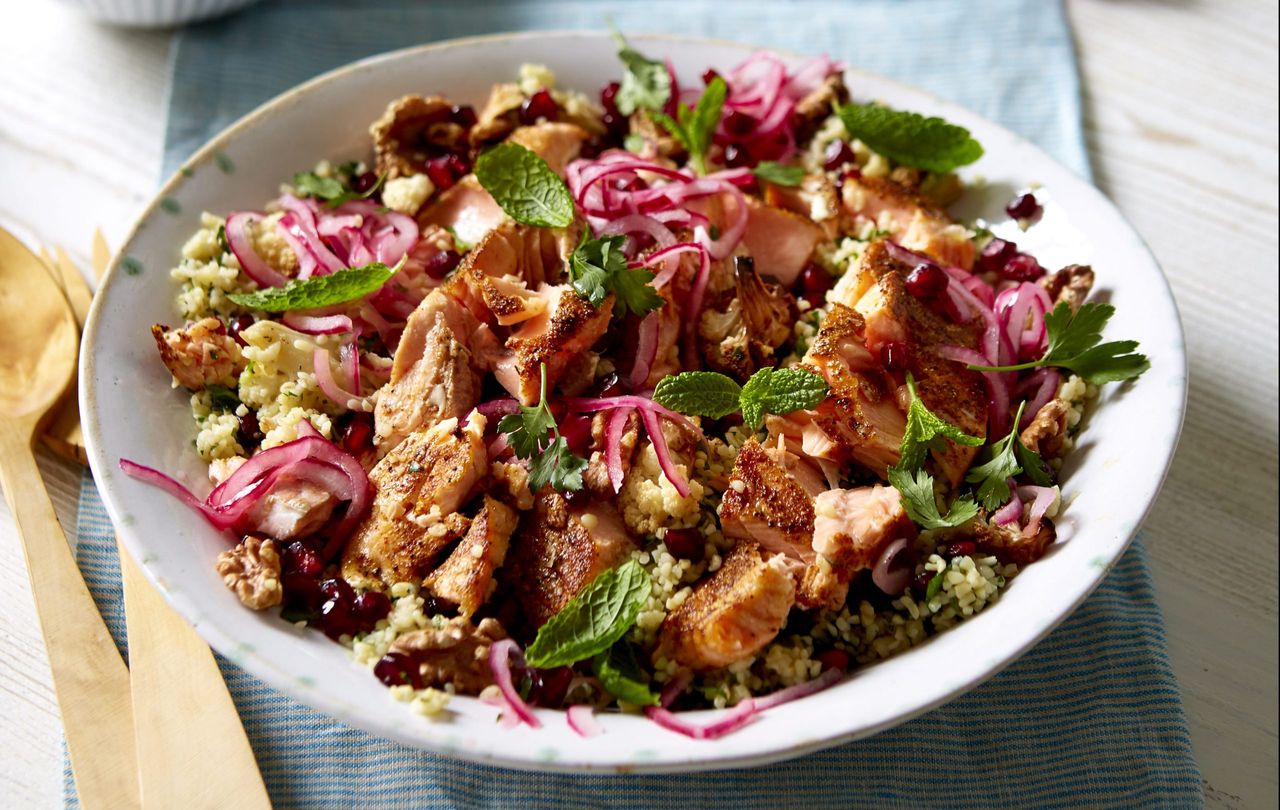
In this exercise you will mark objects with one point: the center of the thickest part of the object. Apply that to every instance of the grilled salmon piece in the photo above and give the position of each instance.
(199, 354)
(732, 614)
(780, 241)
(912, 220)
(860, 414)
(851, 527)
(435, 372)
(417, 490)
(876, 288)
(466, 576)
(293, 508)
(567, 326)
(765, 504)
(465, 209)
(497, 278)
(556, 143)
(560, 549)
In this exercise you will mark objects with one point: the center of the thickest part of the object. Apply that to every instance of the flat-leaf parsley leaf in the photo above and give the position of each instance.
(646, 83)
(599, 267)
(921, 504)
(534, 436)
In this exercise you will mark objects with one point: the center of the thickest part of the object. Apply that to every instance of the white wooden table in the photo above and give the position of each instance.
(1181, 117)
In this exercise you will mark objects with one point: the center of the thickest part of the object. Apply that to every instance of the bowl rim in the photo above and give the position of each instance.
(259, 667)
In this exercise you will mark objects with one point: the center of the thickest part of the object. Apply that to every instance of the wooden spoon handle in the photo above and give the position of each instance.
(193, 750)
(89, 677)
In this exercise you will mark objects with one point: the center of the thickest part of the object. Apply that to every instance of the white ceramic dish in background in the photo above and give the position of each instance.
(155, 13)
(131, 411)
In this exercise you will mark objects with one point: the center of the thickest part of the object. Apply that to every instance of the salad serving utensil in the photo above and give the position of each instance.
(38, 348)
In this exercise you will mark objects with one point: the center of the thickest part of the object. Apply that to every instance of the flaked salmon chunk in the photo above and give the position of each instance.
(765, 504)
(418, 489)
(851, 527)
(466, 576)
(560, 549)
(566, 327)
(912, 220)
(732, 614)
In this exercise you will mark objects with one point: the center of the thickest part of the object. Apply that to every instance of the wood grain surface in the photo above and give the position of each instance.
(1181, 120)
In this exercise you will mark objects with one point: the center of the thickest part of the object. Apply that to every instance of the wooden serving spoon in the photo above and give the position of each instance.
(38, 341)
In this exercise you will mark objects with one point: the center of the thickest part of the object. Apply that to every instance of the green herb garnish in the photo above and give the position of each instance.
(634, 143)
(910, 138)
(593, 620)
(778, 174)
(714, 395)
(926, 432)
(921, 505)
(1075, 344)
(222, 398)
(934, 588)
(1008, 457)
(646, 83)
(598, 267)
(333, 191)
(620, 674)
(339, 287)
(694, 128)
(524, 186)
(534, 436)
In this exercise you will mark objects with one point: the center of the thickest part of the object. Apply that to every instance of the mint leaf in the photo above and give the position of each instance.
(646, 84)
(525, 187)
(1008, 457)
(556, 465)
(922, 506)
(699, 393)
(910, 138)
(780, 391)
(332, 190)
(593, 620)
(339, 287)
(621, 675)
(926, 432)
(694, 128)
(599, 267)
(778, 174)
(1074, 344)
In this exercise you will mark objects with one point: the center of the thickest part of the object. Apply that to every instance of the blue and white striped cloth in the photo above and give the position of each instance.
(1091, 717)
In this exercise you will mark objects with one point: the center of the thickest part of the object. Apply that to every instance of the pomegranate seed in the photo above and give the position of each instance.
(709, 75)
(539, 105)
(548, 687)
(355, 432)
(398, 669)
(740, 124)
(995, 255)
(685, 544)
(576, 430)
(361, 183)
(371, 607)
(299, 559)
(336, 619)
(928, 280)
(1024, 206)
(893, 355)
(920, 582)
(616, 123)
(441, 263)
(338, 589)
(735, 156)
(440, 173)
(464, 115)
(1022, 268)
(609, 98)
(250, 432)
(838, 154)
(814, 283)
(609, 385)
(834, 659)
(960, 548)
(238, 324)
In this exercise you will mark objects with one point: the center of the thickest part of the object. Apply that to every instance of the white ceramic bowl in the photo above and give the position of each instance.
(155, 13)
(131, 411)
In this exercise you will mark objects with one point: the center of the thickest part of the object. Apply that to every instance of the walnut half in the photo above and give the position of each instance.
(456, 653)
(252, 571)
